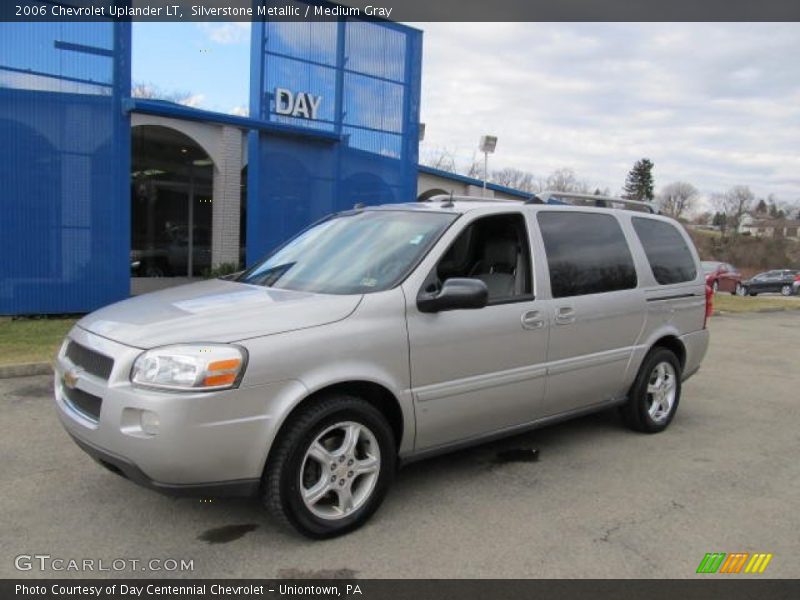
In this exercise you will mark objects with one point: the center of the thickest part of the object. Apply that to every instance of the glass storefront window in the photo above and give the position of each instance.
(171, 204)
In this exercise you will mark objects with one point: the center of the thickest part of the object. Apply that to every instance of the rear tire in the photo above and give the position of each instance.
(739, 290)
(654, 396)
(330, 467)
(786, 290)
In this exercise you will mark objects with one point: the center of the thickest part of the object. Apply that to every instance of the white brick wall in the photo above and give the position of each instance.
(227, 198)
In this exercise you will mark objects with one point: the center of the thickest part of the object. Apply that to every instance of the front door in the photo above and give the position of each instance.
(477, 371)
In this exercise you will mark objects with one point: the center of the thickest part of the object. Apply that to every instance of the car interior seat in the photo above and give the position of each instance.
(497, 268)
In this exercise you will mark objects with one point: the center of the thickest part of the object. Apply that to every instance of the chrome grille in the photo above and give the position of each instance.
(90, 361)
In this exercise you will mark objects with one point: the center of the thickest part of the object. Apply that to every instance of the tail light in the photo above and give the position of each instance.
(797, 277)
(709, 305)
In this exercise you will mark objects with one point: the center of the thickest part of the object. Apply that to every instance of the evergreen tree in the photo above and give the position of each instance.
(639, 183)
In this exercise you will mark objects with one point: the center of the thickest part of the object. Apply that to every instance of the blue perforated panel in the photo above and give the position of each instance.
(368, 75)
(64, 156)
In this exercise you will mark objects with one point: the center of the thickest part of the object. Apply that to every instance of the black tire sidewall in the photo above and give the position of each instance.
(638, 397)
(295, 509)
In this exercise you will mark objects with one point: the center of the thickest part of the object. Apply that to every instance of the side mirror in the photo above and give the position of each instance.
(456, 293)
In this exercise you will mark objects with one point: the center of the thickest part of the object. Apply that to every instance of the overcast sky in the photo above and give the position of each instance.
(713, 104)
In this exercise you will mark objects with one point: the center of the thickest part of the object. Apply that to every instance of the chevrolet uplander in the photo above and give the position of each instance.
(386, 334)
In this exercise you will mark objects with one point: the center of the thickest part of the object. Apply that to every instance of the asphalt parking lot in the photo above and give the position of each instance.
(600, 501)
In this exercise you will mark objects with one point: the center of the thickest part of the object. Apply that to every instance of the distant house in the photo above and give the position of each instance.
(776, 228)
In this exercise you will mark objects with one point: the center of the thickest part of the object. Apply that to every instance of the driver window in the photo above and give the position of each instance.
(495, 250)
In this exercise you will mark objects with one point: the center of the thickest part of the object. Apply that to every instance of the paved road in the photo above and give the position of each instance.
(600, 501)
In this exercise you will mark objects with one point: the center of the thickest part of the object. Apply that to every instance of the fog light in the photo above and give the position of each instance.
(150, 422)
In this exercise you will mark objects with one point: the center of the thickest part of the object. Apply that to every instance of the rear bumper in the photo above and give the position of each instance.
(127, 469)
(696, 344)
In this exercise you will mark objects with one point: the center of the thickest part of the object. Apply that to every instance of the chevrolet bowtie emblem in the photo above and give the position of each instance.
(71, 378)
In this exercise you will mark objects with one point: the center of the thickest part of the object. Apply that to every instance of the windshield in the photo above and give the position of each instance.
(709, 266)
(351, 253)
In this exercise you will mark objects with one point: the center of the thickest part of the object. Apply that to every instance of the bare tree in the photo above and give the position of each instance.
(565, 180)
(150, 90)
(475, 168)
(514, 178)
(442, 159)
(734, 204)
(677, 198)
(704, 218)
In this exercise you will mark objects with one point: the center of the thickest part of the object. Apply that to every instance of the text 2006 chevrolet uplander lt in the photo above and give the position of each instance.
(385, 334)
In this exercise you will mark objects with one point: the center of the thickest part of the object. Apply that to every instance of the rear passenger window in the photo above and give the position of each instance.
(587, 253)
(669, 256)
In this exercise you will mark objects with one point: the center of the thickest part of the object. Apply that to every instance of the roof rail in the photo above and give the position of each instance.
(554, 197)
(452, 198)
(580, 199)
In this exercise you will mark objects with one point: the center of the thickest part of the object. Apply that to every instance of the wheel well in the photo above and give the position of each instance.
(377, 395)
(670, 342)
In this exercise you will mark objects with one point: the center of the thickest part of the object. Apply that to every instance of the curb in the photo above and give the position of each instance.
(25, 370)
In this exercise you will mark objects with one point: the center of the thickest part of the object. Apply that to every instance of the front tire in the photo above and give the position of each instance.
(715, 286)
(654, 396)
(330, 467)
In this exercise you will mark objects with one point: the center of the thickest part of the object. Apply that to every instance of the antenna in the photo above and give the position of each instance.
(449, 202)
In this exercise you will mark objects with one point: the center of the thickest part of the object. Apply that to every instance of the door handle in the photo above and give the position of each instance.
(565, 315)
(532, 320)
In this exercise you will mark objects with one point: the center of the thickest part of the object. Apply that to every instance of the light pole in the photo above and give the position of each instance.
(487, 145)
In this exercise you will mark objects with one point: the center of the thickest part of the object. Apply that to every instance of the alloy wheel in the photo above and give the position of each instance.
(340, 470)
(661, 388)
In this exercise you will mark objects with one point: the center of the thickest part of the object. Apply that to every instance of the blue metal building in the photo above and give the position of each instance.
(334, 118)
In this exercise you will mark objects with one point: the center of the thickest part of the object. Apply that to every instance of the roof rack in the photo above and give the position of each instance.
(554, 197)
(450, 198)
(580, 199)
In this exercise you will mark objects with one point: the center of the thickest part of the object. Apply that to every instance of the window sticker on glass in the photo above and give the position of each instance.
(369, 282)
(416, 240)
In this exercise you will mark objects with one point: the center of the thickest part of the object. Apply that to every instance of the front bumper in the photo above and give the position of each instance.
(125, 468)
(212, 443)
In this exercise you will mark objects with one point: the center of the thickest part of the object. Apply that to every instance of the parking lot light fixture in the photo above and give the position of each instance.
(487, 145)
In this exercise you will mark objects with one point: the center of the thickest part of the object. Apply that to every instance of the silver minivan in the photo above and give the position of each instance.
(387, 334)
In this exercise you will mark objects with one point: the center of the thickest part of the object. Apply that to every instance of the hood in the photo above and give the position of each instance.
(214, 311)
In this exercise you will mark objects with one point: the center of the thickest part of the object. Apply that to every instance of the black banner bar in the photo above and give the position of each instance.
(715, 587)
(401, 10)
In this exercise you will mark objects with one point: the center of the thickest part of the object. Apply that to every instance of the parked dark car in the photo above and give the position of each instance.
(779, 281)
(722, 277)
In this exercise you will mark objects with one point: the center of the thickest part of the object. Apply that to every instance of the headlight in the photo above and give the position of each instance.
(190, 367)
